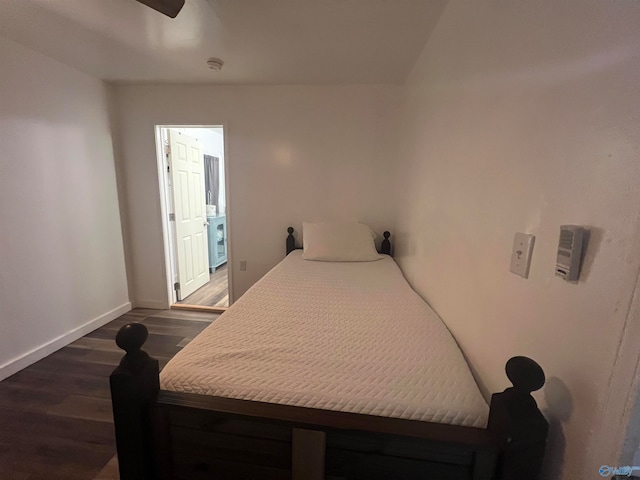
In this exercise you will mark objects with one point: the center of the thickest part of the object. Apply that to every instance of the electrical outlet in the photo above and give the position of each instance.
(521, 254)
(243, 265)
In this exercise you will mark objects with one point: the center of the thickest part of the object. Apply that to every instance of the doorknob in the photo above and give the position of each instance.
(205, 224)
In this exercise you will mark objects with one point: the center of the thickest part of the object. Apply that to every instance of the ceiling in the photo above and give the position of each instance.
(260, 41)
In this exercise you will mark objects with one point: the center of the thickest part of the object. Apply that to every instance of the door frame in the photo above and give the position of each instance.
(165, 199)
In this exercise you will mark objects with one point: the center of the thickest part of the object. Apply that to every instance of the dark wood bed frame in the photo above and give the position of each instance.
(169, 435)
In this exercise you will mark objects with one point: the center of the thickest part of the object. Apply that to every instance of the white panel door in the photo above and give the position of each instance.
(186, 167)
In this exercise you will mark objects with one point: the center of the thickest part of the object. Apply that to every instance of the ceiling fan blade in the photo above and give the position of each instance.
(170, 8)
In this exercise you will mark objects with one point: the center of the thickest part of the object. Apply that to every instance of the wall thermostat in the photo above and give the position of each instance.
(569, 252)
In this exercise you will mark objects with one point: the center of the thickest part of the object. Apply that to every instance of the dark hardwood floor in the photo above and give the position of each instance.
(55, 416)
(214, 294)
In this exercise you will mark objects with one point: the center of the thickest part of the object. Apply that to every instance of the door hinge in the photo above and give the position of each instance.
(176, 286)
(167, 150)
(172, 217)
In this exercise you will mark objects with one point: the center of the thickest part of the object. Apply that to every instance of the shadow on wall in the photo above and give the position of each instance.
(560, 408)
(590, 246)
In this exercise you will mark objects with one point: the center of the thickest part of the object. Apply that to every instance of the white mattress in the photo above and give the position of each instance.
(348, 336)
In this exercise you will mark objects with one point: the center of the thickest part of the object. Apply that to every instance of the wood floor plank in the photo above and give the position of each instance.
(110, 471)
(29, 399)
(43, 383)
(21, 428)
(86, 408)
(86, 355)
(107, 357)
(94, 343)
(60, 447)
(60, 364)
(215, 293)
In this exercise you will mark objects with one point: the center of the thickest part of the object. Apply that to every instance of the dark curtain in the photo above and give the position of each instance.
(212, 180)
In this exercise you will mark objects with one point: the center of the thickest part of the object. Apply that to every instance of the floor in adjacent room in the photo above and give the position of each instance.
(215, 293)
(55, 416)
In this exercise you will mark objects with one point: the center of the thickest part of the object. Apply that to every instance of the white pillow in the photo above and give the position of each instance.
(338, 242)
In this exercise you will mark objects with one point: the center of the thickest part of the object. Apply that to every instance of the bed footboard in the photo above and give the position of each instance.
(171, 435)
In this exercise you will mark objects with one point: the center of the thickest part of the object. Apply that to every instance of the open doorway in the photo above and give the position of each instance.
(194, 206)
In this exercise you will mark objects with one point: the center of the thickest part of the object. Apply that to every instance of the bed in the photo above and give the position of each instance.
(325, 369)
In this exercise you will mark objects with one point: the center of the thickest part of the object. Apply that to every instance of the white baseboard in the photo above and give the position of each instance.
(152, 304)
(38, 353)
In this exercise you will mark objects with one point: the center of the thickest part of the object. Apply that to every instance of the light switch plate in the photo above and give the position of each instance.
(521, 254)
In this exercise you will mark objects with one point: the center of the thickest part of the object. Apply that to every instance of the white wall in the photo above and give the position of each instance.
(62, 266)
(293, 154)
(521, 117)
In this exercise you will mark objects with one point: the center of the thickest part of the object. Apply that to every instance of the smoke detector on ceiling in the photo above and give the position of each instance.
(215, 63)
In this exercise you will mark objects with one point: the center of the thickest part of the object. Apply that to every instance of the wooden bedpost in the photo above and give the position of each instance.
(134, 387)
(517, 424)
(291, 241)
(386, 244)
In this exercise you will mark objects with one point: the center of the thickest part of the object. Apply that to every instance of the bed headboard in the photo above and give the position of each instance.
(385, 246)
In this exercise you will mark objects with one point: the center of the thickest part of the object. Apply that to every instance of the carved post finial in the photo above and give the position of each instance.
(525, 374)
(291, 241)
(386, 244)
(131, 337)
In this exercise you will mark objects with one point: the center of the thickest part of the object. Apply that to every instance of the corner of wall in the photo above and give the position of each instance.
(121, 180)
